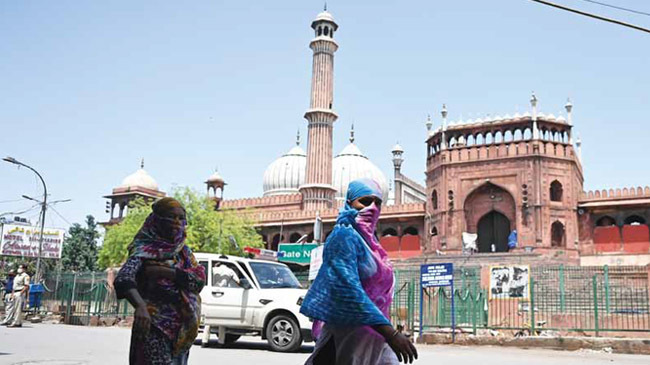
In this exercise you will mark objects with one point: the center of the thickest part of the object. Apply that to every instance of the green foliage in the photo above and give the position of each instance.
(80, 247)
(12, 262)
(119, 236)
(207, 230)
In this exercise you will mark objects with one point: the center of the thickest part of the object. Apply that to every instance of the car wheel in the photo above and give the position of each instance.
(283, 334)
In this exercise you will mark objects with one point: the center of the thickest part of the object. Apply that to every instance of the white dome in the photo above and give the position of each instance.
(140, 179)
(350, 165)
(215, 178)
(324, 15)
(286, 174)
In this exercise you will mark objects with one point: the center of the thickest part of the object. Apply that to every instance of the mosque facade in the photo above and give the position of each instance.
(496, 189)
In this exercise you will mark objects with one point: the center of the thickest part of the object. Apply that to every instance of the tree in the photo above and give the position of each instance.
(207, 230)
(80, 247)
(119, 236)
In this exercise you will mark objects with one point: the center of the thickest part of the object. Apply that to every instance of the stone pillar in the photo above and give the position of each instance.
(318, 193)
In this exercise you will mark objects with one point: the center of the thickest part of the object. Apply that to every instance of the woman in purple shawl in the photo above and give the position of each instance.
(351, 296)
(162, 280)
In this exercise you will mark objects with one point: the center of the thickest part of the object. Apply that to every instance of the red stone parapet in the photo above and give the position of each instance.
(263, 202)
(615, 194)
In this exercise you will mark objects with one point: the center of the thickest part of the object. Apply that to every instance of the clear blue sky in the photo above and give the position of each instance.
(90, 87)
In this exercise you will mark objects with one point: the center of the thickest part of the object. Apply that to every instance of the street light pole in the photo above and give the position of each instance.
(43, 208)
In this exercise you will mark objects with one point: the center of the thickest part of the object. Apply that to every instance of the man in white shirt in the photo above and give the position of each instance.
(223, 276)
(20, 291)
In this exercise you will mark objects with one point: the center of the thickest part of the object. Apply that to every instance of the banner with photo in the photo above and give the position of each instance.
(21, 240)
(510, 282)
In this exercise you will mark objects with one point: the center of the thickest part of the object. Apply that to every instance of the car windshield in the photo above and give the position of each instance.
(274, 276)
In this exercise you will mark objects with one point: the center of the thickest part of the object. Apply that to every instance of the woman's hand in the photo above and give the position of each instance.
(400, 344)
(142, 321)
(403, 348)
(154, 271)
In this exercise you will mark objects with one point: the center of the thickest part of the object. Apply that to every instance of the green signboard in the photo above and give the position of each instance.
(296, 253)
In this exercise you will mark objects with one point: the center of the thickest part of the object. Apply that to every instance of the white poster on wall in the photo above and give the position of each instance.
(315, 262)
(510, 282)
(20, 240)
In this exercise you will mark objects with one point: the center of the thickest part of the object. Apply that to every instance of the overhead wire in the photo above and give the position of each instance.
(617, 7)
(60, 215)
(10, 201)
(590, 15)
(23, 211)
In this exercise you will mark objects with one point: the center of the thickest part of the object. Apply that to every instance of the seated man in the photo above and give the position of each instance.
(223, 276)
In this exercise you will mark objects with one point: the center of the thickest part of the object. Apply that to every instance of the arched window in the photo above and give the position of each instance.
(606, 221)
(389, 232)
(557, 234)
(635, 220)
(434, 231)
(434, 199)
(276, 241)
(498, 137)
(320, 31)
(327, 31)
(556, 191)
(528, 134)
(294, 237)
(411, 230)
(489, 138)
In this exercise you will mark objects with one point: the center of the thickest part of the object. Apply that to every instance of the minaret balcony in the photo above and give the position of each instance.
(321, 115)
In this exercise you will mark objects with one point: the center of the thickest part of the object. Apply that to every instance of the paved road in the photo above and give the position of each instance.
(73, 345)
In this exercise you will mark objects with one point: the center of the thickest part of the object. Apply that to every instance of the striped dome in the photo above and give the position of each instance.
(286, 174)
(351, 164)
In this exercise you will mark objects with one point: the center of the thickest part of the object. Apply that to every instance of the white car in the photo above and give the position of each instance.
(265, 302)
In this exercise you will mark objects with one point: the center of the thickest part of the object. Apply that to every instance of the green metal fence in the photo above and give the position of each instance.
(562, 298)
(559, 298)
(80, 297)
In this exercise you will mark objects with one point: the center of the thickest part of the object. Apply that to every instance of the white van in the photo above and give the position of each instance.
(265, 303)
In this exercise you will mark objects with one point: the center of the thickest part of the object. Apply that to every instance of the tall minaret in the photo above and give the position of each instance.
(317, 192)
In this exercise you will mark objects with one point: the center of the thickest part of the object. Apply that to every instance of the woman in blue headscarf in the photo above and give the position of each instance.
(351, 296)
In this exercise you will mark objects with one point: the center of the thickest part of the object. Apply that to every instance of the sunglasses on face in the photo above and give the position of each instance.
(366, 201)
(173, 217)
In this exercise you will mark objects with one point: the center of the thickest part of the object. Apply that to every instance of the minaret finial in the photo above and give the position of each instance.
(298, 138)
(325, 6)
(142, 163)
(352, 133)
(569, 107)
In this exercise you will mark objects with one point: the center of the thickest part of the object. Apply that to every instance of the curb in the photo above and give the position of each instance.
(636, 346)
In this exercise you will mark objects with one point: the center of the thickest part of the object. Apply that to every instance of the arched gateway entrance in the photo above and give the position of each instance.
(493, 229)
(490, 212)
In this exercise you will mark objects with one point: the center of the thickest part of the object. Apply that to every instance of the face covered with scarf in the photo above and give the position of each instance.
(170, 219)
(162, 235)
(365, 196)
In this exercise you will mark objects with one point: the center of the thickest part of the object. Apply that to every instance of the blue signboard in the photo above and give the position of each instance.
(434, 275)
(437, 275)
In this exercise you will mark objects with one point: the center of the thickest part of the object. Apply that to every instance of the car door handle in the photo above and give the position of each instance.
(217, 293)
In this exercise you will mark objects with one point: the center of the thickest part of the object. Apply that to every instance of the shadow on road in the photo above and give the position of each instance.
(262, 346)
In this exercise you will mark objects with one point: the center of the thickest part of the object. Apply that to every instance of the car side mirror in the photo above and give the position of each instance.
(244, 283)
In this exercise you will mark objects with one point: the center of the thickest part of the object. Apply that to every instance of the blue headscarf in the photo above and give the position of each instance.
(337, 296)
(363, 187)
